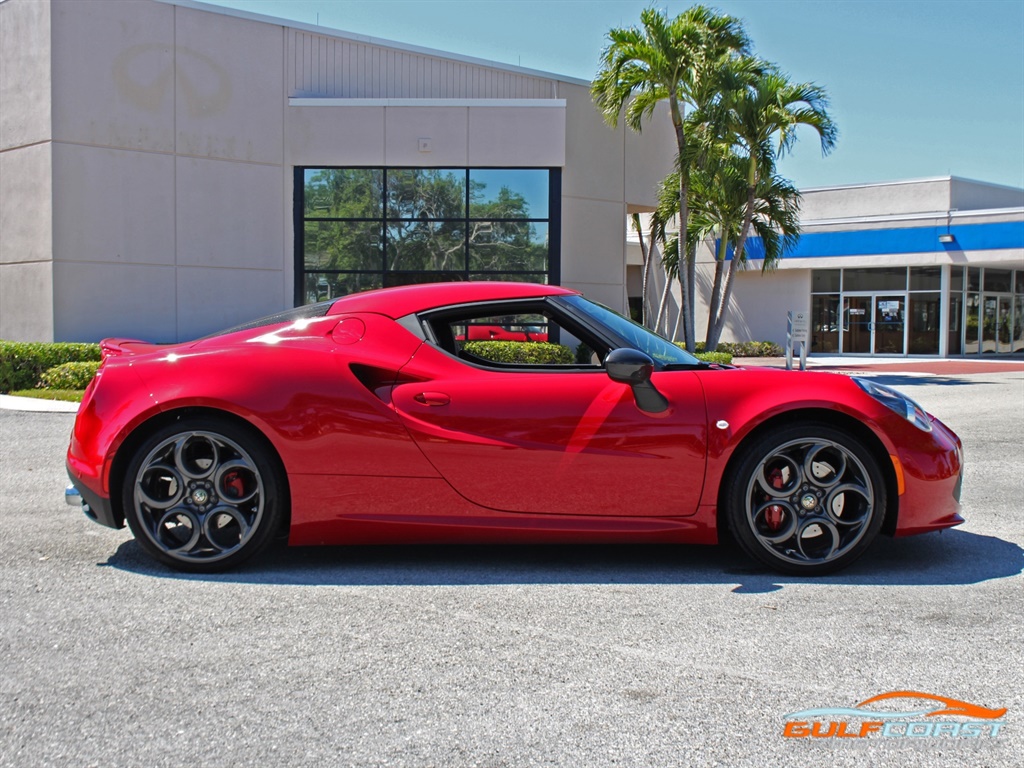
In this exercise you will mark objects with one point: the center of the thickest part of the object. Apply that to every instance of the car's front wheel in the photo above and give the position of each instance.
(807, 499)
(203, 495)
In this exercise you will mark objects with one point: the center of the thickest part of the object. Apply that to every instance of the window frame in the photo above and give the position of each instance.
(539, 306)
(553, 221)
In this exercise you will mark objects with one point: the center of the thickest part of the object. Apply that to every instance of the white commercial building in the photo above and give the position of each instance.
(169, 168)
(923, 267)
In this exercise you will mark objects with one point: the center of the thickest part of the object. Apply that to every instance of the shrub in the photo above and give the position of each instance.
(69, 375)
(752, 349)
(22, 363)
(525, 352)
(743, 348)
(721, 358)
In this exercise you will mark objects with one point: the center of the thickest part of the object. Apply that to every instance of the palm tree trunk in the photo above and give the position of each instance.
(645, 253)
(662, 303)
(715, 333)
(687, 265)
(689, 271)
(716, 291)
(690, 328)
(680, 321)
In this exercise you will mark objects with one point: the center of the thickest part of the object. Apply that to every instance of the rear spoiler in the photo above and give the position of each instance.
(119, 347)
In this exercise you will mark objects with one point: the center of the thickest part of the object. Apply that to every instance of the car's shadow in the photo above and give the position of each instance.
(947, 558)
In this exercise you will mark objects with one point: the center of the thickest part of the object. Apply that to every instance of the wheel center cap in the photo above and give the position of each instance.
(809, 501)
(199, 496)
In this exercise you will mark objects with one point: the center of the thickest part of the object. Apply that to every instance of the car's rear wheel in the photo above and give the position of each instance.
(806, 499)
(203, 495)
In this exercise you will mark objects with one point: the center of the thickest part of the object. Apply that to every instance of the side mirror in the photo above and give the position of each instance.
(633, 367)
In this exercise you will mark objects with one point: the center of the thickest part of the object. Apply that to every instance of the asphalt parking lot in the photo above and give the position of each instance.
(495, 656)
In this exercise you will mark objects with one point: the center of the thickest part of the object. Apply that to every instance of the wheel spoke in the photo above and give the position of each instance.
(236, 481)
(779, 475)
(195, 455)
(825, 465)
(178, 530)
(160, 486)
(818, 540)
(775, 522)
(225, 527)
(849, 504)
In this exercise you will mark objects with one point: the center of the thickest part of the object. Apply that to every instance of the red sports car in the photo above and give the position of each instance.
(379, 418)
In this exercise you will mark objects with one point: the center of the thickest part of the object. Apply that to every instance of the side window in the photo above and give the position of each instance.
(518, 339)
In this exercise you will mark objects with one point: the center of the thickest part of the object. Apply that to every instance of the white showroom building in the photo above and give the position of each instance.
(922, 267)
(169, 168)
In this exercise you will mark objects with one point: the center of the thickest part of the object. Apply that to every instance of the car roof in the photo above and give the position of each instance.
(408, 299)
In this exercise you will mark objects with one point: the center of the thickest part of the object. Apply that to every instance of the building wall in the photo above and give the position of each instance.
(334, 66)
(160, 203)
(939, 196)
(24, 75)
(168, 188)
(849, 202)
(760, 301)
(26, 296)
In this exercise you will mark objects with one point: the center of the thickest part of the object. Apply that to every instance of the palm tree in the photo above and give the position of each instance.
(718, 196)
(668, 60)
(718, 205)
(763, 121)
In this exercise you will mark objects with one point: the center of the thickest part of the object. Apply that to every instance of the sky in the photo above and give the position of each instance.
(918, 88)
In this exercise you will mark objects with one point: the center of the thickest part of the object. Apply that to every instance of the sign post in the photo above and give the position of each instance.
(798, 329)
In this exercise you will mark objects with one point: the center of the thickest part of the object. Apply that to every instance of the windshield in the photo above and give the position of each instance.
(638, 337)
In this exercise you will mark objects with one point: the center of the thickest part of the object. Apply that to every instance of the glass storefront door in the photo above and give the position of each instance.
(874, 324)
(857, 325)
(890, 325)
(1004, 333)
(1017, 330)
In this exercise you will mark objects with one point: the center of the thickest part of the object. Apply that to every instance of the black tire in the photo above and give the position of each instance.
(806, 499)
(203, 495)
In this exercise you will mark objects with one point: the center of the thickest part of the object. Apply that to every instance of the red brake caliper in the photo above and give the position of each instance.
(234, 482)
(775, 515)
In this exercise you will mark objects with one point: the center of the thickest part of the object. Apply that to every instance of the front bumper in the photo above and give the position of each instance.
(934, 480)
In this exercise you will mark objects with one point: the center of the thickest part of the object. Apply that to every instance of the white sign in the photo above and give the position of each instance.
(799, 327)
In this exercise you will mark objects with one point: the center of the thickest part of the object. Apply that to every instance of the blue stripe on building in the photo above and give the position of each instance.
(890, 242)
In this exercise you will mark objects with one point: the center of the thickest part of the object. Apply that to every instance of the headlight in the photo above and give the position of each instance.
(896, 401)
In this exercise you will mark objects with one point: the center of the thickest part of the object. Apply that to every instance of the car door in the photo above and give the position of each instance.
(559, 439)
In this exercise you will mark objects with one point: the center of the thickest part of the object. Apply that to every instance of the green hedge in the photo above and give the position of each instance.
(721, 358)
(70, 375)
(743, 348)
(525, 352)
(22, 363)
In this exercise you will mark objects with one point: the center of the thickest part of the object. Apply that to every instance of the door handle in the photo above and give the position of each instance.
(432, 398)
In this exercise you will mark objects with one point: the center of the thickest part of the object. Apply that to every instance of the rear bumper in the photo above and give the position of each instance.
(96, 507)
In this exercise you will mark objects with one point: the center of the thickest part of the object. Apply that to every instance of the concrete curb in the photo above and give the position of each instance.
(12, 403)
